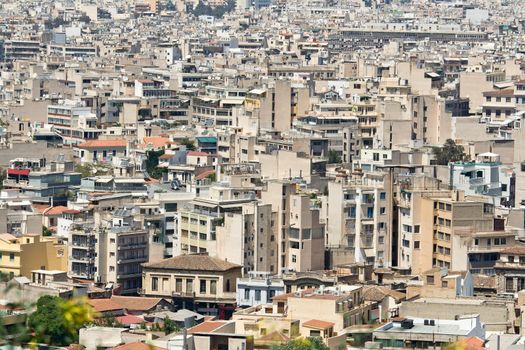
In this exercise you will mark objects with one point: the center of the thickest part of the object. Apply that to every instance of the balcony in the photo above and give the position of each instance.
(132, 260)
(81, 274)
(122, 276)
(82, 259)
(132, 246)
(183, 294)
(15, 184)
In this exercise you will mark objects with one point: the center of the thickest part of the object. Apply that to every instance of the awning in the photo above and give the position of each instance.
(24, 172)
(369, 252)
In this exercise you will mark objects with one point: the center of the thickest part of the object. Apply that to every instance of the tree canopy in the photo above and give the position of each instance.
(450, 152)
(56, 322)
(190, 145)
(303, 344)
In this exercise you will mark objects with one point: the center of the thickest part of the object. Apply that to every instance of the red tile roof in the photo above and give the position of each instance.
(55, 210)
(206, 327)
(137, 346)
(136, 303)
(204, 174)
(504, 92)
(103, 144)
(129, 319)
(193, 262)
(102, 305)
(318, 324)
(197, 154)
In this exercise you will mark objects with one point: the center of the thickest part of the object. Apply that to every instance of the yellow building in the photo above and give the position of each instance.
(20, 255)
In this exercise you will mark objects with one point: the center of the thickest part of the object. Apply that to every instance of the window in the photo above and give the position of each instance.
(178, 285)
(154, 283)
(315, 333)
(294, 258)
(416, 244)
(416, 228)
(213, 287)
(202, 286)
(246, 294)
(511, 258)
(444, 284)
(382, 196)
(430, 280)
(189, 286)
(257, 295)
(382, 210)
(11, 256)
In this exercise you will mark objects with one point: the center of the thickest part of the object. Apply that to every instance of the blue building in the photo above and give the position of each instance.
(258, 288)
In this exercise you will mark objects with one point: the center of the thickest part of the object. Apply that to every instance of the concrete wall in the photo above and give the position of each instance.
(496, 316)
(32, 150)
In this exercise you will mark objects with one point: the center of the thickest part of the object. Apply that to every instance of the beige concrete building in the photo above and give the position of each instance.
(197, 282)
(358, 213)
(21, 255)
(443, 241)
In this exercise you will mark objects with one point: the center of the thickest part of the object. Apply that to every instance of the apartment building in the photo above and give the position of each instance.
(254, 231)
(487, 176)
(23, 254)
(340, 307)
(121, 249)
(103, 151)
(258, 288)
(196, 232)
(442, 241)
(358, 214)
(73, 122)
(109, 247)
(197, 282)
(510, 270)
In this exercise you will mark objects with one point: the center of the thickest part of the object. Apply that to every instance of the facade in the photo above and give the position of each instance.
(421, 333)
(197, 282)
(258, 288)
(21, 255)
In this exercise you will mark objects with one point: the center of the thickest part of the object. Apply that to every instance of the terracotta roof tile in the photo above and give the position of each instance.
(56, 210)
(318, 324)
(102, 305)
(137, 346)
(518, 250)
(103, 144)
(136, 303)
(206, 327)
(193, 262)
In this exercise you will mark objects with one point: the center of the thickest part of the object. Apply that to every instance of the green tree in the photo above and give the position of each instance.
(190, 145)
(56, 322)
(333, 157)
(85, 170)
(46, 232)
(169, 326)
(152, 162)
(450, 152)
(311, 343)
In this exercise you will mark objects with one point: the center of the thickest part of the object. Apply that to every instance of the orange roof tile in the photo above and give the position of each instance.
(137, 346)
(318, 324)
(55, 210)
(206, 327)
(102, 305)
(136, 303)
(103, 144)
(156, 141)
(197, 154)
